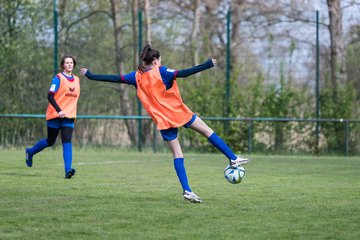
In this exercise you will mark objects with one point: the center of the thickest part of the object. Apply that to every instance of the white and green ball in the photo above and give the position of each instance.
(234, 175)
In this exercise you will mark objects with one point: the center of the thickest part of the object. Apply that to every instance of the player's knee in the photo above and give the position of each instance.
(50, 142)
(208, 132)
(66, 139)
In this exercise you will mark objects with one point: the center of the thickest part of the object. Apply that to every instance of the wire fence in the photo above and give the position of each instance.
(246, 135)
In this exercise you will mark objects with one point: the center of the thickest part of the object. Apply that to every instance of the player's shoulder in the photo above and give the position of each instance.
(166, 69)
(56, 78)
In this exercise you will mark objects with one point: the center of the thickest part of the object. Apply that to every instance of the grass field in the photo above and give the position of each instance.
(122, 195)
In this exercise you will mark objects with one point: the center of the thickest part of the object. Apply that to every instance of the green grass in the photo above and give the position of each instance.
(122, 195)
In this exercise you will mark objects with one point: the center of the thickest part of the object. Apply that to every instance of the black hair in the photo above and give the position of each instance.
(62, 61)
(147, 56)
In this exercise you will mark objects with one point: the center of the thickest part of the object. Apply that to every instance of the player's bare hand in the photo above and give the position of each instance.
(213, 61)
(83, 71)
(61, 114)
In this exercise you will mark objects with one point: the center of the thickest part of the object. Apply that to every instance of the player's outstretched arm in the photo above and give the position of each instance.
(102, 77)
(211, 62)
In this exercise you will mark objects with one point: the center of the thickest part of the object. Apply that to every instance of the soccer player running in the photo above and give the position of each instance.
(61, 113)
(158, 91)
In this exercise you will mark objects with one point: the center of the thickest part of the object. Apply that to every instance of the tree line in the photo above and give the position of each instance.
(272, 63)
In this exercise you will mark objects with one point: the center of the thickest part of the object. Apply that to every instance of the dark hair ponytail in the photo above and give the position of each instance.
(147, 56)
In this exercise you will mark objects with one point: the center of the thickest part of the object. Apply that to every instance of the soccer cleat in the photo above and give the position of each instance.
(239, 161)
(70, 173)
(28, 158)
(191, 197)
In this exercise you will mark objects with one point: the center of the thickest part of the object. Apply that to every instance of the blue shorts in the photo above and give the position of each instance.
(171, 133)
(60, 122)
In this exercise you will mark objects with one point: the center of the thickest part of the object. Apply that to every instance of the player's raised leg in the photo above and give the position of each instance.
(30, 152)
(201, 127)
(41, 144)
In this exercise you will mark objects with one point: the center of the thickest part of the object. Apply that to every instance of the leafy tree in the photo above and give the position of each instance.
(343, 108)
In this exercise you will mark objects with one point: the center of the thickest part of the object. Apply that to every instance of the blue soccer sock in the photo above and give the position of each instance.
(221, 145)
(39, 146)
(67, 154)
(181, 173)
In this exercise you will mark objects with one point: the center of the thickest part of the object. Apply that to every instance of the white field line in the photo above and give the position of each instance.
(113, 162)
(106, 162)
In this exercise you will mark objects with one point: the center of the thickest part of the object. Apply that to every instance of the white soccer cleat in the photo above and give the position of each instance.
(239, 161)
(191, 197)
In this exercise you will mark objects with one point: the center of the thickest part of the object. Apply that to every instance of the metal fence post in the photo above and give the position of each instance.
(138, 101)
(227, 75)
(55, 38)
(317, 86)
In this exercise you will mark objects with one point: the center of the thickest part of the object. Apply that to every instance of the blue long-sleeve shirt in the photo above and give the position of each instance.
(168, 75)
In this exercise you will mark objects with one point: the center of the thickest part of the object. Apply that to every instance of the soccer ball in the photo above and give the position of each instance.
(234, 175)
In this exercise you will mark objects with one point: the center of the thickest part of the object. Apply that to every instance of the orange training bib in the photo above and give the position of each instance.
(66, 97)
(165, 107)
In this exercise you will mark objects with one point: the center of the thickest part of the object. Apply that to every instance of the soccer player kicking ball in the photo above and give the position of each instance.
(158, 91)
(61, 113)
